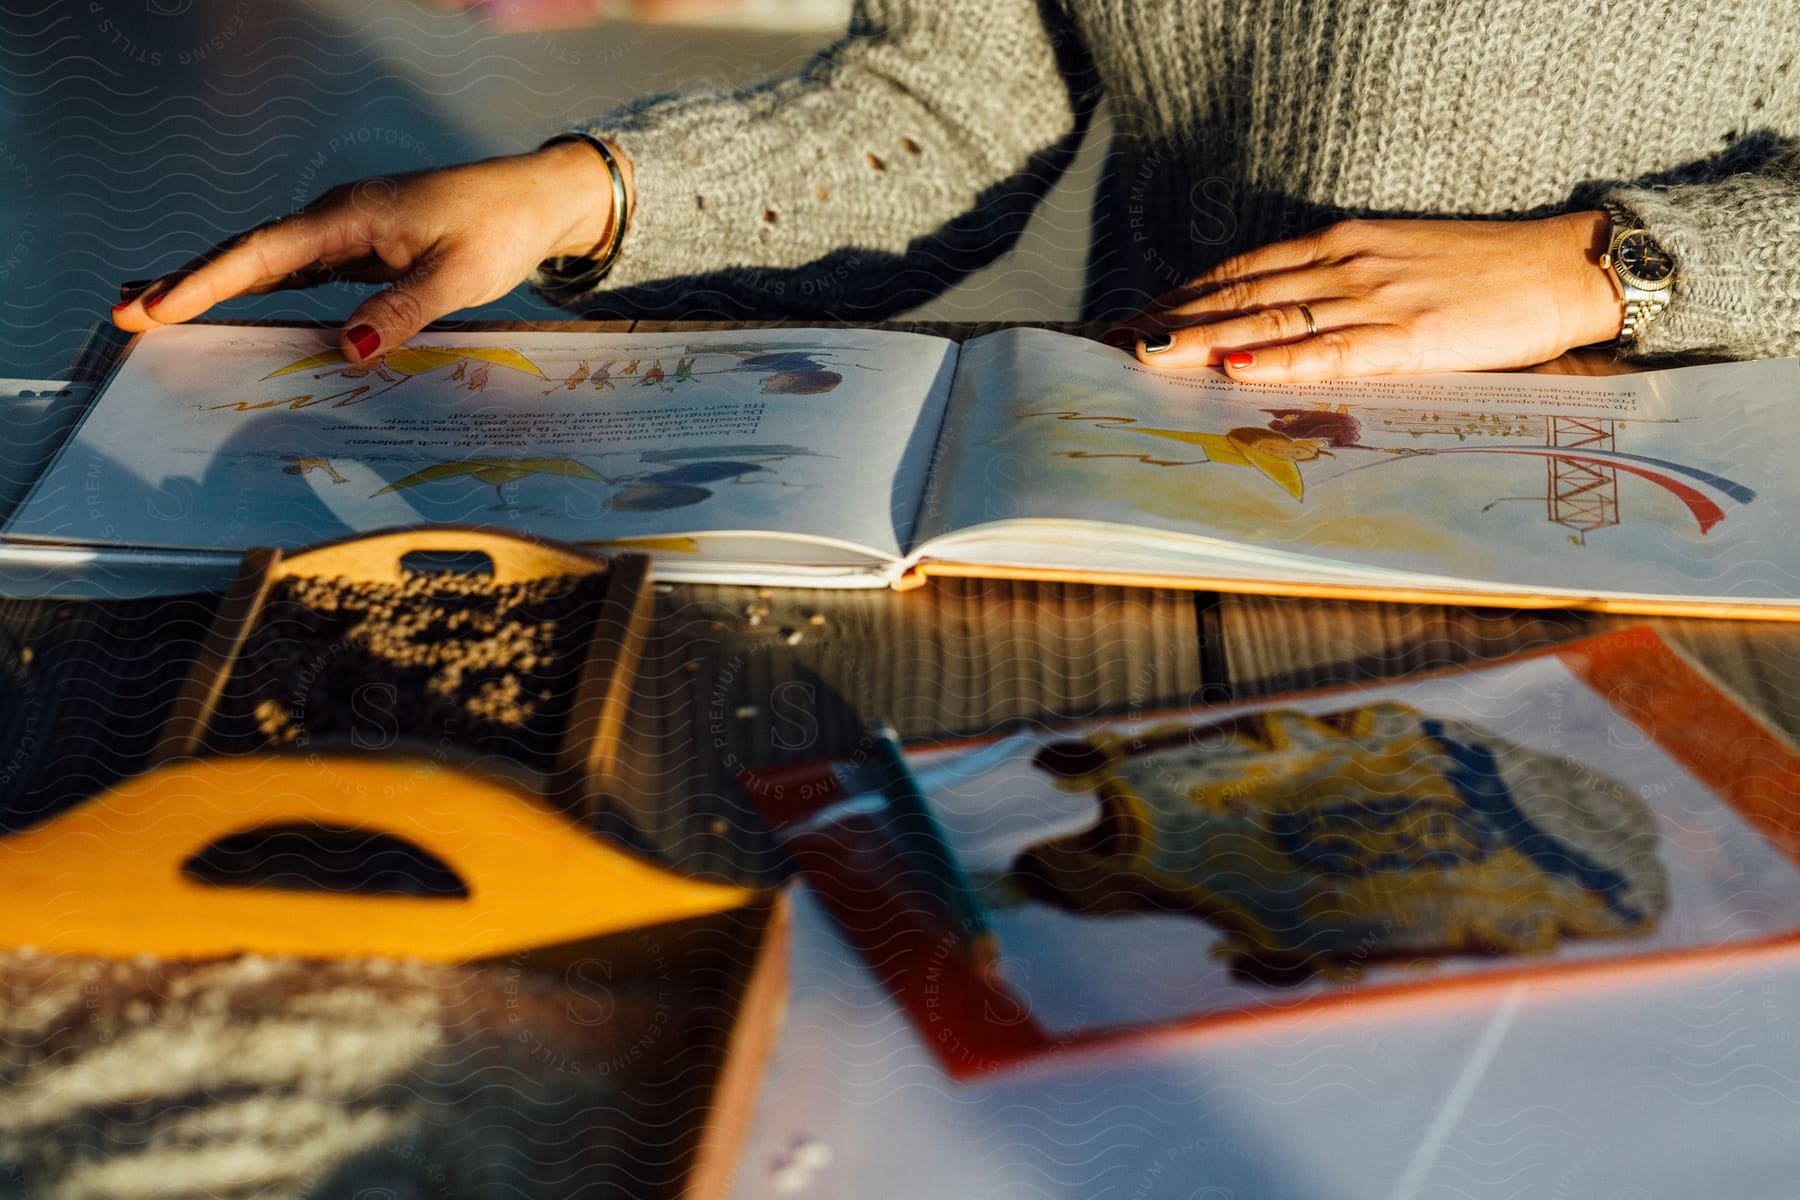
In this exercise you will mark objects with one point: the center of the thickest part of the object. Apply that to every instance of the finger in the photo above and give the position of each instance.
(1206, 345)
(361, 270)
(1208, 297)
(1277, 257)
(1240, 297)
(364, 269)
(1308, 285)
(392, 315)
(305, 277)
(1352, 352)
(258, 258)
(129, 314)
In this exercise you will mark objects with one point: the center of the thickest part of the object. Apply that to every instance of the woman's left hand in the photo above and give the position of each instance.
(1392, 298)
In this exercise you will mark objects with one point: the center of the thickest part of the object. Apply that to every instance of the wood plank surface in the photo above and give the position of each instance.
(1277, 644)
(83, 689)
(739, 678)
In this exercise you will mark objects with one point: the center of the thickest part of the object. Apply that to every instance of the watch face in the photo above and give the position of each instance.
(1643, 259)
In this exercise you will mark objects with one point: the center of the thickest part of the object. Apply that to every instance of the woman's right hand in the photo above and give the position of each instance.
(444, 240)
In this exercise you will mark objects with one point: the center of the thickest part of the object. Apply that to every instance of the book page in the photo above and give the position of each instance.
(223, 437)
(1671, 482)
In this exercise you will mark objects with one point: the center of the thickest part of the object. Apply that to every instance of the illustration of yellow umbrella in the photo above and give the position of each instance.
(419, 360)
(496, 472)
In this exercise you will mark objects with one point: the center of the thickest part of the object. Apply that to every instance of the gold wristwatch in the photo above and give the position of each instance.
(1642, 270)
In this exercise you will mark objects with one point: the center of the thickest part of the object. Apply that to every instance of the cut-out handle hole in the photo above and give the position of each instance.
(448, 562)
(307, 856)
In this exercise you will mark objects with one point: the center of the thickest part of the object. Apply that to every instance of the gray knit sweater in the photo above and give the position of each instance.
(911, 151)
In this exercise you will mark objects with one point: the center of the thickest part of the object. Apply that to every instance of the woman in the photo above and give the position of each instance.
(1270, 167)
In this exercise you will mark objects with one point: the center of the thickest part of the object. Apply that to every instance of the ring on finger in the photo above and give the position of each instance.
(1312, 326)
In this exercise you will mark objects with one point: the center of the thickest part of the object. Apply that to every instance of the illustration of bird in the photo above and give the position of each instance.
(576, 377)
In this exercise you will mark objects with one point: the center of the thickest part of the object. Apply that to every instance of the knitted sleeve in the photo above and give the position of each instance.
(903, 156)
(1735, 242)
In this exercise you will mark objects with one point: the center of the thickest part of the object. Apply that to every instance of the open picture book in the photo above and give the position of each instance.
(861, 458)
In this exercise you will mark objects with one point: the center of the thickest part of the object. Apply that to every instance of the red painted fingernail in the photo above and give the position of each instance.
(364, 340)
(1240, 360)
(157, 299)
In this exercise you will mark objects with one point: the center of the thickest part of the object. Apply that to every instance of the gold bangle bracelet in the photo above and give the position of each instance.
(581, 273)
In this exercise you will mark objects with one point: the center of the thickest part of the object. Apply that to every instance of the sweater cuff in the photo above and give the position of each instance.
(670, 225)
(1720, 302)
(644, 203)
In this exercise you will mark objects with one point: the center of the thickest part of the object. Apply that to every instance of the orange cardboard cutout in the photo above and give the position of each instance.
(106, 878)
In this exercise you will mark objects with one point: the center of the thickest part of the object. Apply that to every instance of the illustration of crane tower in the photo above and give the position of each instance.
(1581, 489)
(1579, 495)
